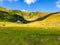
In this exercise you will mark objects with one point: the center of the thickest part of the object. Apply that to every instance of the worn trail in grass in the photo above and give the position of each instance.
(29, 36)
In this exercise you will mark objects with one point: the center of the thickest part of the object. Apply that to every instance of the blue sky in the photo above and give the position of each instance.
(32, 5)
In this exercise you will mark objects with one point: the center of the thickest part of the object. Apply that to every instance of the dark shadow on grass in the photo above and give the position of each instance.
(15, 17)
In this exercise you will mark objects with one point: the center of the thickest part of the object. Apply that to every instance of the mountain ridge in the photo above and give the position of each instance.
(22, 16)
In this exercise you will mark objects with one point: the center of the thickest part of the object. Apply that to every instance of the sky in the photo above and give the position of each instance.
(32, 5)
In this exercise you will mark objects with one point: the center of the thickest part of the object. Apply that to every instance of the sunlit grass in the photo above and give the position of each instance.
(29, 36)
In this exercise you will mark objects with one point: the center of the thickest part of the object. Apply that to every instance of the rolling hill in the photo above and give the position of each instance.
(14, 15)
(52, 21)
(18, 18)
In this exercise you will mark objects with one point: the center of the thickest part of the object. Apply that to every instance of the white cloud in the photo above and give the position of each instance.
(58, 3)
(24, 10)
(29, 1)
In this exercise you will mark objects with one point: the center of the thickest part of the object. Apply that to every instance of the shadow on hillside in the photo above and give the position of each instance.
(39, 19)
(16, 17)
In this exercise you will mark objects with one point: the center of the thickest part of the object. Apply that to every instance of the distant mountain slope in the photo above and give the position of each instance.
(14, 18)
(23, 17)
(19, 16)
(51, 21)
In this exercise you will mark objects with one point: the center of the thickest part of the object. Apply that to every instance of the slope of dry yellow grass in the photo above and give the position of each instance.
(49, 22)
(35, 16)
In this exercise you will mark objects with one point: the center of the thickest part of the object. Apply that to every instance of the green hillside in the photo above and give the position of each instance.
(29, 28)
(16, 15)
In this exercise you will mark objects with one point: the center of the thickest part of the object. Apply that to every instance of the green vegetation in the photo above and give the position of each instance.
(29, 36)
(36, 33)
(8, 15)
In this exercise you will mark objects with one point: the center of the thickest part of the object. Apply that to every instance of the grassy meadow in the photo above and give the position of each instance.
(29, 36)
(29, 28)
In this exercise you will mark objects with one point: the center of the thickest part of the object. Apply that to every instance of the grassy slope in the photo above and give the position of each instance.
(49, 22)
(29, 36)
(22, 34)
(26, 15)
(52, 21)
